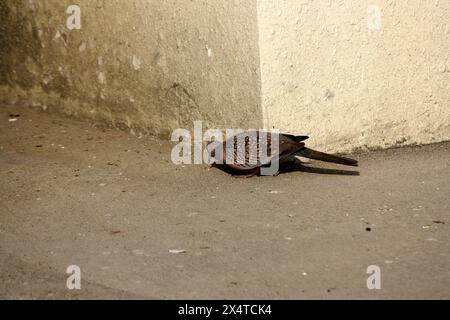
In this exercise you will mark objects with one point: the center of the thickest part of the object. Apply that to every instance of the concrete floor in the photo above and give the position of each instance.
(115, 205)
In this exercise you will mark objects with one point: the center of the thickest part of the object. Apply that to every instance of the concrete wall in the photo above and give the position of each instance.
(302, 66)
(141, 65)
(326, 74)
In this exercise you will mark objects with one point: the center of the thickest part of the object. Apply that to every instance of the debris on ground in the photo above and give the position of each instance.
(13, 117)
(177, 251)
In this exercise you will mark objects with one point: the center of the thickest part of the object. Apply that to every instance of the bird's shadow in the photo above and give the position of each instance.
(295, 165)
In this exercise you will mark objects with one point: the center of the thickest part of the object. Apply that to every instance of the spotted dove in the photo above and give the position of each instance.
(249, 153)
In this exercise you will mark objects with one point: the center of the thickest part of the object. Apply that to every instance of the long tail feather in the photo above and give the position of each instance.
(317, 155)
(296, 138)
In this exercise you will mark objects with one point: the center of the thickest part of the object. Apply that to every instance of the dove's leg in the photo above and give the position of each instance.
(240, 176)
(246, 173)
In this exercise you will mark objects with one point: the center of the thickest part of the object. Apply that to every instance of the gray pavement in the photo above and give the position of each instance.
(74, 193)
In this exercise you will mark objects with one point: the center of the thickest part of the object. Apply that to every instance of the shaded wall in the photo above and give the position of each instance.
(140, 65)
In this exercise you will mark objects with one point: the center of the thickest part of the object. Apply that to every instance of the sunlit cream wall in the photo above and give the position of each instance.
(356, 74)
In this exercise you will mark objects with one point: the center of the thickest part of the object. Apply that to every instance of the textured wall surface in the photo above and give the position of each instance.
(302, 66)
(325, 73)
(141, 65)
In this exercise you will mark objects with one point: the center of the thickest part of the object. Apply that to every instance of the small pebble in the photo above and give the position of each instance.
(177, 251)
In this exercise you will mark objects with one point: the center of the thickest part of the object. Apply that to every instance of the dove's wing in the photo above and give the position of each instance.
(246, 151)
